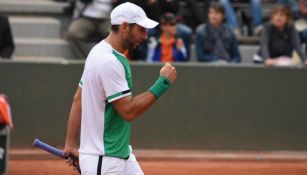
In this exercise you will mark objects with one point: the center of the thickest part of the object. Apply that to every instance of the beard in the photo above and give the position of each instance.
(129, 42)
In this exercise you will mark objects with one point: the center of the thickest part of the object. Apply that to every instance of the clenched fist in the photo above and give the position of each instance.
(168, 71)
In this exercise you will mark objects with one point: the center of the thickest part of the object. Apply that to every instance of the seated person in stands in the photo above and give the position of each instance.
(293, 5)
(256, 13)
(216, 41)
(6, 39)
(167, 47)
(154, 10)
(302, 24)
(279, 39)
(303, 7)
(90, 24)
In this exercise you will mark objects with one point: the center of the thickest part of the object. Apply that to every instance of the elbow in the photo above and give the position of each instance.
(129, 114)
(129, 117)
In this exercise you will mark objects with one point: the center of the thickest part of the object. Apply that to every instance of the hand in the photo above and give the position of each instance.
(168, 71)
(179, 43)
(269, 62)
(305, 62)
(73, 152)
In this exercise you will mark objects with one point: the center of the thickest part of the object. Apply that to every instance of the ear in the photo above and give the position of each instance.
(124, 27)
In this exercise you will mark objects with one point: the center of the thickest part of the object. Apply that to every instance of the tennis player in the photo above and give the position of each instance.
(103, 106)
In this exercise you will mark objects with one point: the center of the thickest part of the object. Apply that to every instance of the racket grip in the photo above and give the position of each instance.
(48, 148)
(44, 146)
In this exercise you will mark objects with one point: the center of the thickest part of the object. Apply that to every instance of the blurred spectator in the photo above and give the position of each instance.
(6, 39)
(256, 11)
(301, 25)
(91, 17)
(216, 41)
(197, 12)
(5, 112)
(303, 7)
(279, 39)
(167, 47)
(293, 5)
(91, 23)
(156, 8)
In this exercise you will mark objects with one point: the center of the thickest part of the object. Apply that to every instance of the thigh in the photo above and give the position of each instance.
(184, 30)
(104, 28)
(89, 165)
(132, 167)
(112, 166)
(81, 28)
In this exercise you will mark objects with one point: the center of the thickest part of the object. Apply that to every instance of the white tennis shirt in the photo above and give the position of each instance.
(106, 77)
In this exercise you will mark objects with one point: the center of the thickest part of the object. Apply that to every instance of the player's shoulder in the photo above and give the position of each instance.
(101, 54)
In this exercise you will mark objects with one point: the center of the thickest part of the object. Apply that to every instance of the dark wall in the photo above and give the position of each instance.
(209, 107)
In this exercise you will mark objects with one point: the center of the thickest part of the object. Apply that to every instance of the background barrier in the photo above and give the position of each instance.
(215, 107)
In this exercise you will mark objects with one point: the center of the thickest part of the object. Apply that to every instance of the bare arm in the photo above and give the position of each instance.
(131, 107)
(74, 124)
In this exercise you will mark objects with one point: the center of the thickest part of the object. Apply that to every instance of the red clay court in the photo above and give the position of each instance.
(155, 162)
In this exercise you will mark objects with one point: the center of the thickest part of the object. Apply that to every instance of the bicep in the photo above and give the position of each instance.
(122, 104)
(78, 93)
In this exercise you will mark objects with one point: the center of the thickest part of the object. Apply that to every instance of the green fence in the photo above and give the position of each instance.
(210, 107)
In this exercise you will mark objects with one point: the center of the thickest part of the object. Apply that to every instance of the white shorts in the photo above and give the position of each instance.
(105, 165)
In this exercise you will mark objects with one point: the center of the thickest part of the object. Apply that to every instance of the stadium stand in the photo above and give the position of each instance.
(36, 26)
(248, 44)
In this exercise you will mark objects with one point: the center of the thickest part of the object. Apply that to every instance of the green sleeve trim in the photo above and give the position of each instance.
(160, 87)
(81, 83)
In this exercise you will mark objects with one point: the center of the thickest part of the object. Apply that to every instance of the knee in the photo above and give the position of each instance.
(184, 30)
(224, 1)
(255, 2)
(104, 28)
(74, 32)
(77, 31)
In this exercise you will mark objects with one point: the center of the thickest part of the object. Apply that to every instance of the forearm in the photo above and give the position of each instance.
(204, 57)
(74, 122)
(181, 54)
(132, 107)
(207, 58)
(201, 55)
(139, 104)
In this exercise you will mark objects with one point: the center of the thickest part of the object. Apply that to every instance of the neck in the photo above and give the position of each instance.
(168, 35)
(217, 25)
(116, 42)
(280, 27)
